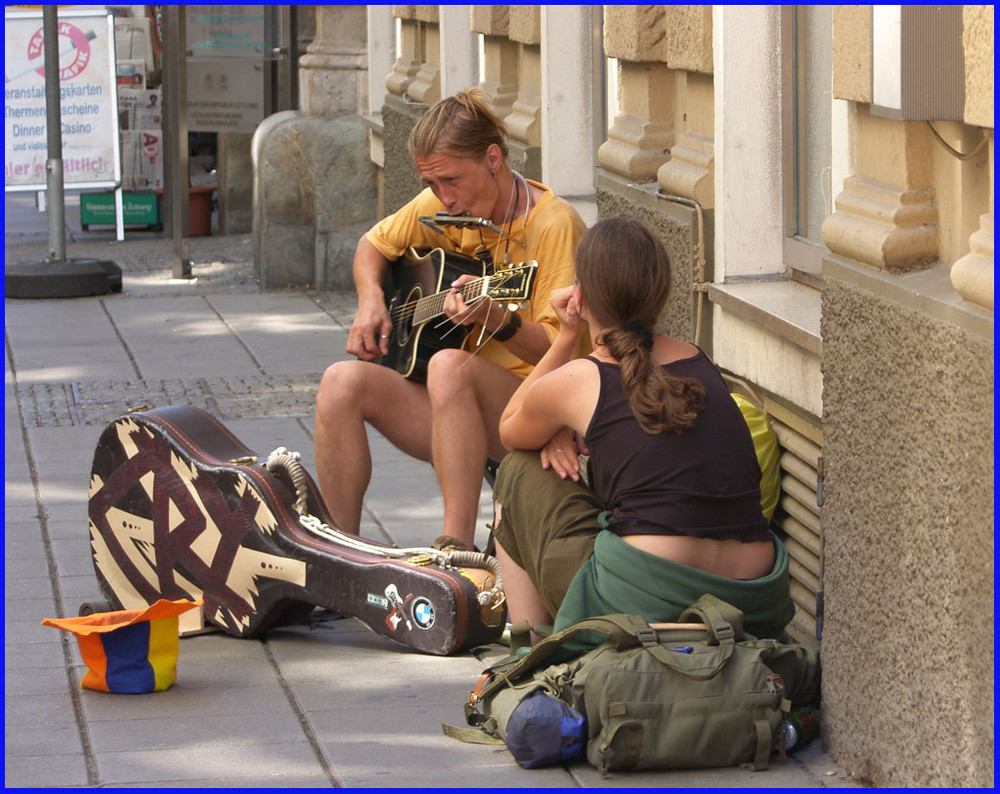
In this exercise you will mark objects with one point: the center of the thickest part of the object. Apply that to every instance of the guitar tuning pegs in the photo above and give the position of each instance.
(513, 307)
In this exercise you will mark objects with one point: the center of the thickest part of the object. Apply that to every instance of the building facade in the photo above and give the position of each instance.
(823, 179)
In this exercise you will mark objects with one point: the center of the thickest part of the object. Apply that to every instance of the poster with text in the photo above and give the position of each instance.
(88, 100)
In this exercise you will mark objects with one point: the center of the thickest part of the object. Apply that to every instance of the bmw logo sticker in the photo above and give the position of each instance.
(423, 613)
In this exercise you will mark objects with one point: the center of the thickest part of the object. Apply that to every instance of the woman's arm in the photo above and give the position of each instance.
(554, 395)
(539, 407)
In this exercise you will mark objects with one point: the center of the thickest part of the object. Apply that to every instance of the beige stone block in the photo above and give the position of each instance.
(636, 148)
(642, 135)
(635, 33)
(895, 152)
(526, 24)
(404, 12)
(425, 13)
(691, 170)
(884, 226)
(972, 276)
(339, 29)
(647, 90)
(331, 71)
(689, 38)
(490, 20)
(500, 62)
(405, 68)
(426, 85)
(524, 123)
(978, 43)
(404, 72)
(696, 105)
(852, 53)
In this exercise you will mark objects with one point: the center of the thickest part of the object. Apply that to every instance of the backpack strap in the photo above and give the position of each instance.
(722, 620)
(470, 735)
(622, 630)
(762, 731)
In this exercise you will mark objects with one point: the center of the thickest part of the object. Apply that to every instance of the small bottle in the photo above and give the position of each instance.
(800, 727)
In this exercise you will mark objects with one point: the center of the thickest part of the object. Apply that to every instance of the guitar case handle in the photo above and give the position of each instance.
(281, 460)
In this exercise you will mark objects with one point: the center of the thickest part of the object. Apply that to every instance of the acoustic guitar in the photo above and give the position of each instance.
(416, 290)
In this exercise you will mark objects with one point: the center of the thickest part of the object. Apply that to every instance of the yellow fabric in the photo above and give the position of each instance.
(550, 236)
(765, 443)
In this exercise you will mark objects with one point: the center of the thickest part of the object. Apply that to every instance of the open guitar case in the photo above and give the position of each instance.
(180, 509)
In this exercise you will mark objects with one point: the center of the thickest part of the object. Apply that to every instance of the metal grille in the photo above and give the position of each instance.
(798, 517)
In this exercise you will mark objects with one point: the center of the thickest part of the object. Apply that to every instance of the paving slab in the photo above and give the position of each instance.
(177, 337)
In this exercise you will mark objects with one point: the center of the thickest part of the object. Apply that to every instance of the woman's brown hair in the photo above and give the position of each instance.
(624, 274)
(460, 125)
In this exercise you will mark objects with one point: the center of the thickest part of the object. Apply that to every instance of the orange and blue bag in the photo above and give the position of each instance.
(131, 651)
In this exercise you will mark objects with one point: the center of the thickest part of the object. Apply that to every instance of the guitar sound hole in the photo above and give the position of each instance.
(404, 322)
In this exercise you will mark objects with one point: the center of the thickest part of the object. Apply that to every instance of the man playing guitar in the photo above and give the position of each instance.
(460, 150)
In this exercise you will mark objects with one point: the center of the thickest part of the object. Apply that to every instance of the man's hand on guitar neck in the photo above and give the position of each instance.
(496, 317)
(479, 311)
(529, 340)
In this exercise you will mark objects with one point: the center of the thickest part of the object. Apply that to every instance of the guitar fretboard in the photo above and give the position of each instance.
(511, 284)
(432, 306)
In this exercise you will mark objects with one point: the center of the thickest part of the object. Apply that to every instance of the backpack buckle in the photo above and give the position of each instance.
(646, 635)
(723, 630)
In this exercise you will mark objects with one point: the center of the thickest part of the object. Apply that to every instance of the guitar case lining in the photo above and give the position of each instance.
(180, 508)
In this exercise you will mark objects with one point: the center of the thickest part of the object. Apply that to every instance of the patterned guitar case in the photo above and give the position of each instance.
(180, 508)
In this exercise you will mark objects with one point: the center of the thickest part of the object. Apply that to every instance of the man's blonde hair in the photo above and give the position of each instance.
(461, 125)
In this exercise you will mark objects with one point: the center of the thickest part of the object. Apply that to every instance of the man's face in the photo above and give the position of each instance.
(463, 185)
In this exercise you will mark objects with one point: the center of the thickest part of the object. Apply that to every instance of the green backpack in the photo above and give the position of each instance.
(697, 693)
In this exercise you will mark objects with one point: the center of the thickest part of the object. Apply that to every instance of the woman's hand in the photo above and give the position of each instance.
(566, 302)
(562, 454)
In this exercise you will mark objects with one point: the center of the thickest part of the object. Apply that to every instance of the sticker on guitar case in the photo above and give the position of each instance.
(398, 614)
(423, 613)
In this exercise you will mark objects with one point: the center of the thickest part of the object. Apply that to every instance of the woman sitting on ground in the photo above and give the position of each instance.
(674, 507)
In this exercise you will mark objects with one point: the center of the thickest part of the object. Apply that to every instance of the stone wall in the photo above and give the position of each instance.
(908, 526)
(402, 182)
(315, 197)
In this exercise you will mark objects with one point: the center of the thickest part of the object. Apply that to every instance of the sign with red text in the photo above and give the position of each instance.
(88, 101)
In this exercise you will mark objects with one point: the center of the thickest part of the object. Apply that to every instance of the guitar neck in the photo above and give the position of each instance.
(431, 306)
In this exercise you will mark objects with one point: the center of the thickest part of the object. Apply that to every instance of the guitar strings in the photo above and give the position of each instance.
(407, 310)
(435, 302)
(482, 328)
(472, 308)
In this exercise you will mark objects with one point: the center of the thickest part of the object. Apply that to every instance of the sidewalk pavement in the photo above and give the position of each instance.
(324, 703)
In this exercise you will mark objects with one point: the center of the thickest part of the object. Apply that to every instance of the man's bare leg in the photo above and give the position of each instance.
(467, 397)
(352, 393)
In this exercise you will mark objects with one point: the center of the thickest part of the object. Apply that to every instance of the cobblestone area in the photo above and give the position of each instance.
(99, 403)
